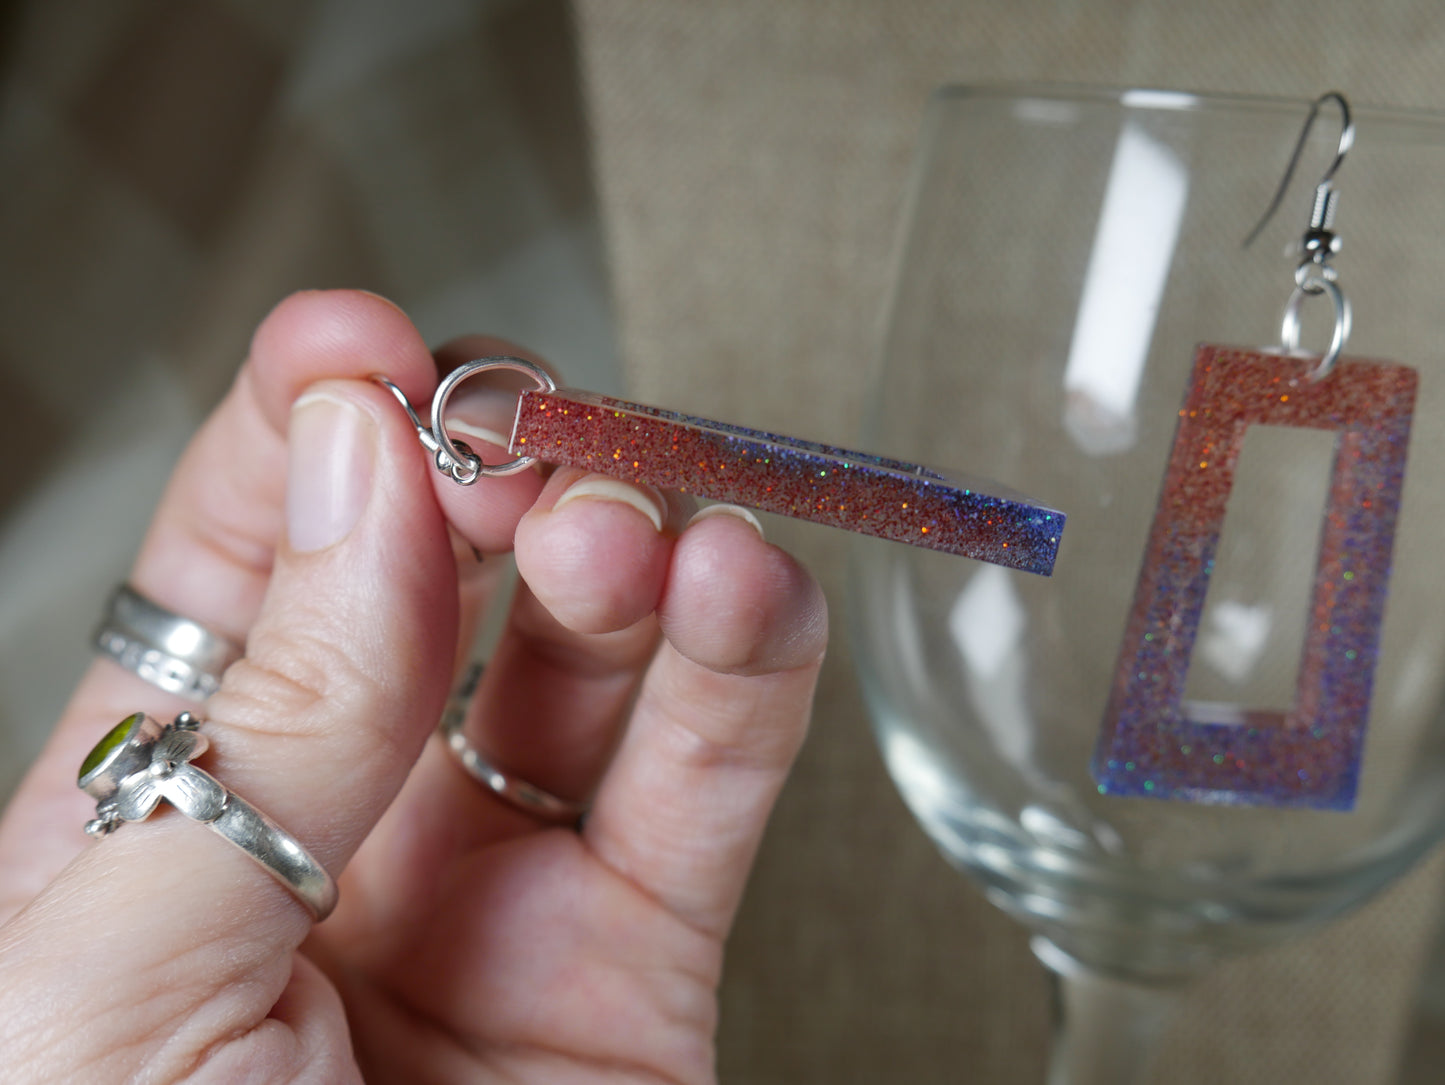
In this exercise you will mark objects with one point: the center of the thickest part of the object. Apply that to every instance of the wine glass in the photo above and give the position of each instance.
(1063, 253)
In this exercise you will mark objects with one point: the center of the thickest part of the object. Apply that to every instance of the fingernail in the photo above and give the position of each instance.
(477, 433)
(384, 301)
(332, 459)
(736, 511)
(483, 414)
(650, 504)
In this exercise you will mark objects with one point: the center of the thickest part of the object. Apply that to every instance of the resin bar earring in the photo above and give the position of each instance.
(1154, 742)
(856, 491)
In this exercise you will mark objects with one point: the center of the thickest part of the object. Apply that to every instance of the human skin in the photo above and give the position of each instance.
(668, 673)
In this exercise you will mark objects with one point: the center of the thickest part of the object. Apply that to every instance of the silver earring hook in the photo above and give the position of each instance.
(1323, 214)
(461, 467)
(1313, 275)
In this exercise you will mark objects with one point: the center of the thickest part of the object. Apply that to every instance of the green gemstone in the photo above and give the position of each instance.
(113, 740)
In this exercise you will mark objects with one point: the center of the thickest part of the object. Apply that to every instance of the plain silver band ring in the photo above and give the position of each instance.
(163, 648)
(516, 792)
(272, 847)
(280, 853)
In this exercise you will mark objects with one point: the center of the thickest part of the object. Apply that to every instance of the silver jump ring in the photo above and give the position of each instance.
(513, 790)
(1289, 332)
(449, 453)
(163, 648)
(141, 761)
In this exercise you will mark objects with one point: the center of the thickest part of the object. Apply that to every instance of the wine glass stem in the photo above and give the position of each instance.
(1106, 1030)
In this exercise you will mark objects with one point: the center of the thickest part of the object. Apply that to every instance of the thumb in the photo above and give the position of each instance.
(167, 941)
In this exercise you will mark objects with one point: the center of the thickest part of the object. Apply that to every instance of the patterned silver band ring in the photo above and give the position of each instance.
(165, 649)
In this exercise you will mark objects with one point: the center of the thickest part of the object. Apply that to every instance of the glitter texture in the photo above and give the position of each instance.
(851, 490)
(1153, 742)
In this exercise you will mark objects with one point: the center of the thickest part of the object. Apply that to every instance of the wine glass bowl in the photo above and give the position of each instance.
(1063, 253)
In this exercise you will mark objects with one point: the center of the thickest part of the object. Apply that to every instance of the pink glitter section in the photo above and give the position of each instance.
(1309, 756)
(851, 490)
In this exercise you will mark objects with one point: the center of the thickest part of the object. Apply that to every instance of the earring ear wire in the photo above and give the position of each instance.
(1314, 275)
(1322, 214)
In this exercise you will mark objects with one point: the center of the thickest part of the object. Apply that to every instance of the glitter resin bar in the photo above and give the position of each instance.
(851, 490)
(1153, 742)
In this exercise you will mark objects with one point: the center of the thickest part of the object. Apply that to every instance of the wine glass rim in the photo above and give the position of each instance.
(1163, 99)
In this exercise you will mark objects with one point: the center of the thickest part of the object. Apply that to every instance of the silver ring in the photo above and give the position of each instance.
(169, 651)
(457, 461)
(527, 797)
(142, 761)
(1313, 286)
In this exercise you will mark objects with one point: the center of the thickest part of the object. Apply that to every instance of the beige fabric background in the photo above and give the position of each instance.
(169, 168)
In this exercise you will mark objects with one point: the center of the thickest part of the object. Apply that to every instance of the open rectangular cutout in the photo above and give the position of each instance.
(1252, 629)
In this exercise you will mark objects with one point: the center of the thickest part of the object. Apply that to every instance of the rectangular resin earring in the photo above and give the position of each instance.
(856, 491)
(1154, 742)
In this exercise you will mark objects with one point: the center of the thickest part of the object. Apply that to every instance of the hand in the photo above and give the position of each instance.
(669, 671)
